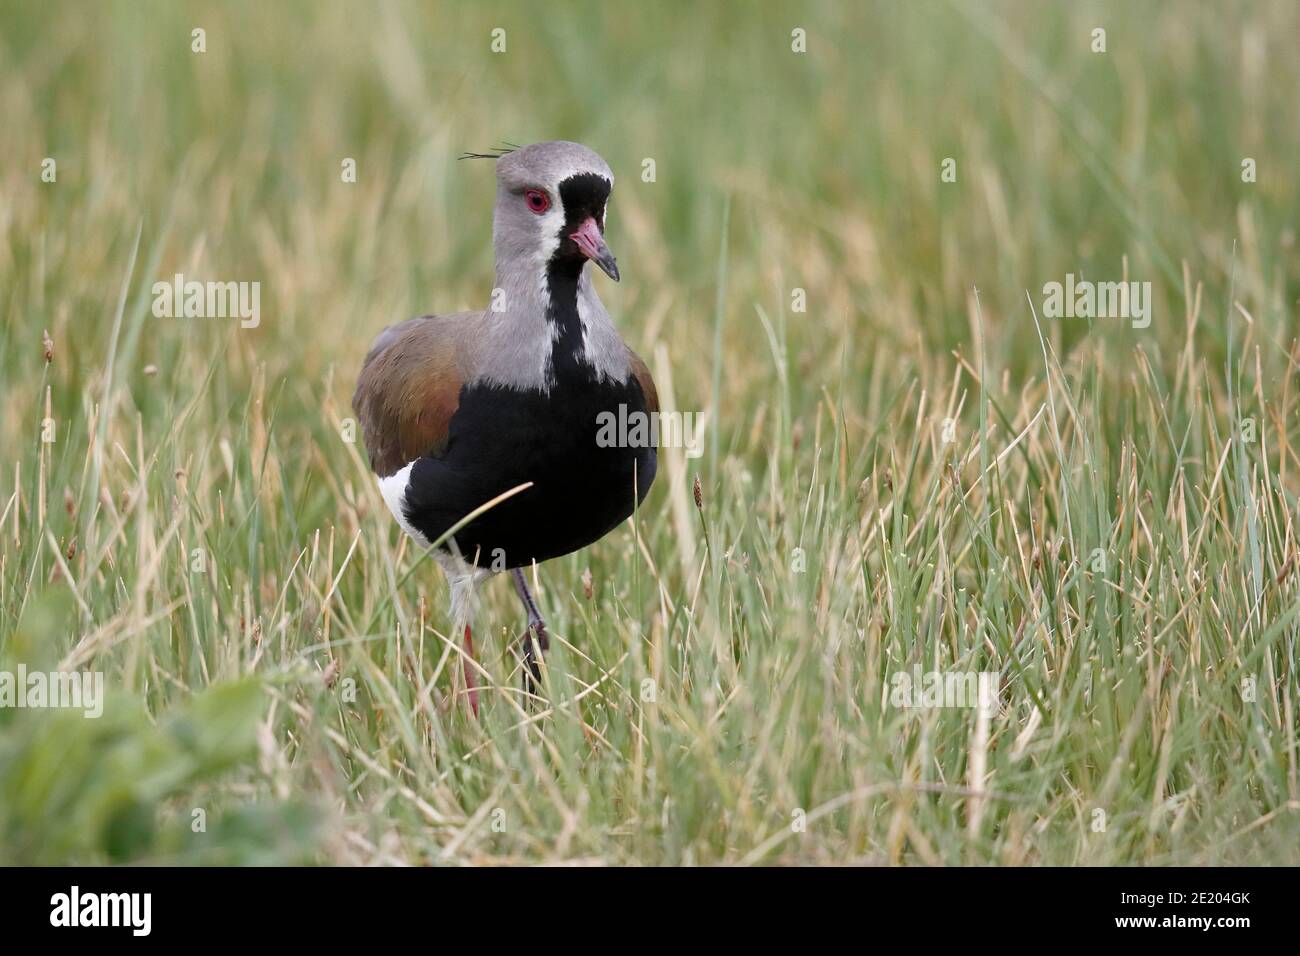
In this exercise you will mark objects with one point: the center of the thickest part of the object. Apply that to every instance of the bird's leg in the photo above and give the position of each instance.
(536, 640)
(471, 682)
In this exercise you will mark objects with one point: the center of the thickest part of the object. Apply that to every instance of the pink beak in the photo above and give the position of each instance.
(592, 243)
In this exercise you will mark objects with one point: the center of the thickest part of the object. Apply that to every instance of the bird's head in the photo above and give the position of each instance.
(551, 201)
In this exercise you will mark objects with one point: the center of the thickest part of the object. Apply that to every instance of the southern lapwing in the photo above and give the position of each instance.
(458, 410)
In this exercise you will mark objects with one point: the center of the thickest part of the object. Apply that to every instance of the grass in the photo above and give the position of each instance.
(921, 470)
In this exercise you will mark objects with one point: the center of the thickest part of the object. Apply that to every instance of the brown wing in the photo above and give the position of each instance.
(642, 373)
(408, 390)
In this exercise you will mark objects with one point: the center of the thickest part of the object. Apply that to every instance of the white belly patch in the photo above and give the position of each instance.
(393, 488)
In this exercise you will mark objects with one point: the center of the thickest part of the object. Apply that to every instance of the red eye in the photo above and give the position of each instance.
(537, 200)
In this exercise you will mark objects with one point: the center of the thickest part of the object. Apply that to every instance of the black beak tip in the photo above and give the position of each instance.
(609, 267)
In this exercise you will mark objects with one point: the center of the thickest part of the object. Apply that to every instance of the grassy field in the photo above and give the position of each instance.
(908, 467)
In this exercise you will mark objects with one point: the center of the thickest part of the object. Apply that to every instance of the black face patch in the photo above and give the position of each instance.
(583, 195)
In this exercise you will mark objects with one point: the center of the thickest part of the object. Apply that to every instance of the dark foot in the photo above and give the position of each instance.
(536, 641)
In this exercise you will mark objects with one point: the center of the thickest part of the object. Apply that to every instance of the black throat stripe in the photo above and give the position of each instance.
(583, 196)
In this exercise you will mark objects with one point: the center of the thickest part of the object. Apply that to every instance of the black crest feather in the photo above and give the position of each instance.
(496, 153)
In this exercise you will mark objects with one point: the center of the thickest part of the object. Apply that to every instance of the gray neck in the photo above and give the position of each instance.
(516, 347)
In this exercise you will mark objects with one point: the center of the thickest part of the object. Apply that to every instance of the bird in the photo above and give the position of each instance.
(460, 410)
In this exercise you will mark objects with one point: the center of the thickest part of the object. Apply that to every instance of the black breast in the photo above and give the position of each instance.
(500, 438)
